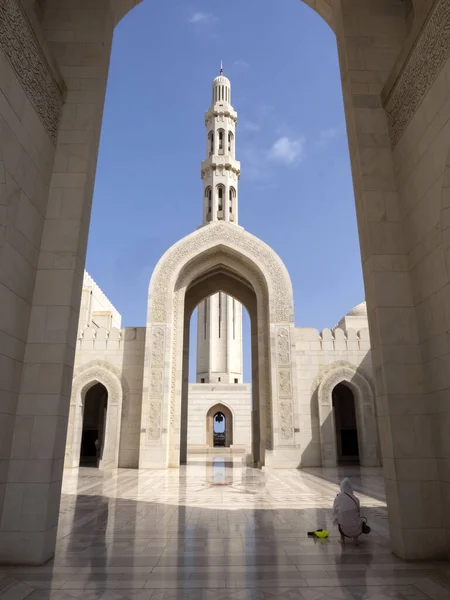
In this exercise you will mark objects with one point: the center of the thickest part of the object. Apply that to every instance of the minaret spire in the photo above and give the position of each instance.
(220, 170)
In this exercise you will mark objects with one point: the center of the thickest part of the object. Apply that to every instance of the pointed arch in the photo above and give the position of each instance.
(322, 7)
(237, 244)
(84, 379)
(364, 397)
(211, 143)
(219, 257)
(229, 424)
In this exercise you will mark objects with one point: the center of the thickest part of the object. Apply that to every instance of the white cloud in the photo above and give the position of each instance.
(243, 64)
(288, 151)
(201, 17)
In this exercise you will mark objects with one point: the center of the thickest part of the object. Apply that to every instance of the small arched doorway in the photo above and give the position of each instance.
(219, 427)
(345, 423)
(94, 426)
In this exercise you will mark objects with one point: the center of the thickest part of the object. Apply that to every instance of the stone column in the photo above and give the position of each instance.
(369, 41)
(79, 37)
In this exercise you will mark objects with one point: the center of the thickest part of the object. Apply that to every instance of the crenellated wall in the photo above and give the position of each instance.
(345, 355)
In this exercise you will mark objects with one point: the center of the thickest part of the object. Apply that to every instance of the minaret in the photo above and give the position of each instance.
(219, 329)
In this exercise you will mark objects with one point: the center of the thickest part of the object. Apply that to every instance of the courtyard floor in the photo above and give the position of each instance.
(216, 530)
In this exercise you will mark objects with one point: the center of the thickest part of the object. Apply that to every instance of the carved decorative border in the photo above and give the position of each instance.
(236, 239)
(156, 387)
(284, 374)
(420, 70)
(18, 42)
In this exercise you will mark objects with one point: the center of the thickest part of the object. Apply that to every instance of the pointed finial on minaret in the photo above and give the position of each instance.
(221, 67)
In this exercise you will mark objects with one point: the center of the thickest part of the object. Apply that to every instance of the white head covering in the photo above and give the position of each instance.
(346, 486)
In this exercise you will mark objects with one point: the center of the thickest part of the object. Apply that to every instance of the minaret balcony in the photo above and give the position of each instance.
(221, 110)
(216, 160)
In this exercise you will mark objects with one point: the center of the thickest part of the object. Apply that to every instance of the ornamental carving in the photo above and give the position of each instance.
(421, 68)
(157, 347)
(283, 347)
(156, 383)
(286, 421)
(174, 359)
(98, 372)
(234, 238)
(284, 384)
(154, 421)
(19, 44)
(343, 372)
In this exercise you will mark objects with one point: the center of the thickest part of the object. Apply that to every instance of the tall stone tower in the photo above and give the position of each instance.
(219, 330)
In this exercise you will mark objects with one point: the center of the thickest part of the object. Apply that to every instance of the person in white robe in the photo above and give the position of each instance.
(347, 513)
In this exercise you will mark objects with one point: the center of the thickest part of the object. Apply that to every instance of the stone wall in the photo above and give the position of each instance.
(31, 98)
(421, 154)
(319, 354)
(345, 355)
(124, 351)
(237, 397)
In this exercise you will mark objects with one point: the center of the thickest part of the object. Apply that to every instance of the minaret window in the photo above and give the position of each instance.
(230, 142)
(211, 142)
(220, 198)
(221, 133)
(232, 199)
(208, 196)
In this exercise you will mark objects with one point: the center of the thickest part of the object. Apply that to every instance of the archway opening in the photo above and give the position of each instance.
(94, 424)
(345, 423)
(219, 427)
(220, 295)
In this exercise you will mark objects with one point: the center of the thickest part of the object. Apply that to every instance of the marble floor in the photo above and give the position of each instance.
(217, 530)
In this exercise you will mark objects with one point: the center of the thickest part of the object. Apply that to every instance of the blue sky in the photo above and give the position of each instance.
(295, 191)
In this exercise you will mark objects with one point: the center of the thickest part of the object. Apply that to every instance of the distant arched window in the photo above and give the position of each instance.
(230, 142)
(221, 134)
(232, 199)
(211, 142)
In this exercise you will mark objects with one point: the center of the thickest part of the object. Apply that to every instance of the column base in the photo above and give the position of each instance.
(27, 548)
(419, 544)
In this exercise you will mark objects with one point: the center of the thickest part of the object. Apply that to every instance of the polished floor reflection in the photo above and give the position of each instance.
(216, 530)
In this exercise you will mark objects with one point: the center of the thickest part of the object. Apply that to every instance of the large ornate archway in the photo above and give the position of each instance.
(84, 379)
(218, 256)
(365, 415)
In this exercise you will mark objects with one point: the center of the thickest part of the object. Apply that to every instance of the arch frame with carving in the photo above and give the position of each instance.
(85, 377)
(363, 393)
(229, 248)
